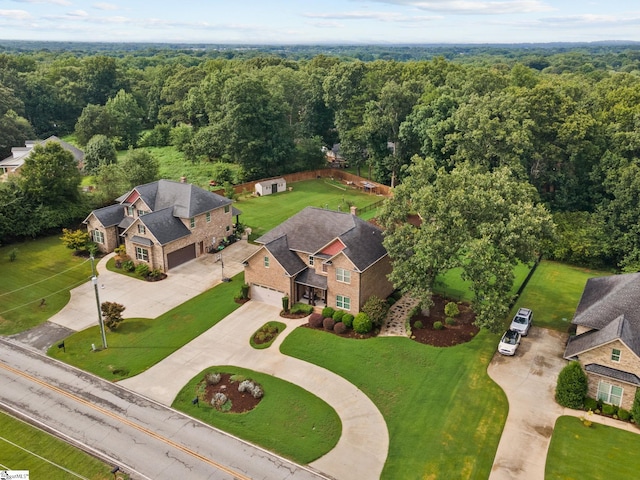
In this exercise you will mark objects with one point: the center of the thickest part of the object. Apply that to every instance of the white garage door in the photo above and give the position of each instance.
(266, 295)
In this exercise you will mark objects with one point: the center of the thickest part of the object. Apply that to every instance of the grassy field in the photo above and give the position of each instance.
(23, 447)
(43, 270)
(580, 453)
(288, 420)
(553, 293)
(264, 213)
(139, 343)
(444, 414)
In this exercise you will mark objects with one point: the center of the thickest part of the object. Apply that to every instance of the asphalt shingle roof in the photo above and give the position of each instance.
(164, 226)
(279, 248)
(109, 216)
(613, 373)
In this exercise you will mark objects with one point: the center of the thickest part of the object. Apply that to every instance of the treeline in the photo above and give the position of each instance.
(565, 122)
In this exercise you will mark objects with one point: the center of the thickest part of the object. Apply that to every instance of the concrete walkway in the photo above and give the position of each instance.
(364, 443)
(395, 325)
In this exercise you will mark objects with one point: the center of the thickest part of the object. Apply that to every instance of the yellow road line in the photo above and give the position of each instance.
(125, 421)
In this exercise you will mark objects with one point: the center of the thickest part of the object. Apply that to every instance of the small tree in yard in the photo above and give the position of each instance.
(635, 409)
(451, 309)
(75, 240)
(112, 314)
(376, 309)
(571, 389)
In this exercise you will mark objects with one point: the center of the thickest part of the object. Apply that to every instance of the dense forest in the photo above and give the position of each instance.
(564, 118)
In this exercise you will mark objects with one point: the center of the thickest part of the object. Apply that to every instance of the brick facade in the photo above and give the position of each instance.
(110, 235)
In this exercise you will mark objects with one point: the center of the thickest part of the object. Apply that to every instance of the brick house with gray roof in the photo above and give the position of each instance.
(163, 223)
(320, 257)
(607, 340)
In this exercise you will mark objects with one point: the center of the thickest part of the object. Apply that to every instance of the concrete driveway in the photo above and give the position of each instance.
(529, 381)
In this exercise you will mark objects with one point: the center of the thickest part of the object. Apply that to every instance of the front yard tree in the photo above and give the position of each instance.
(482, 222)
(572, 386)
(112, 314)
(75, 240)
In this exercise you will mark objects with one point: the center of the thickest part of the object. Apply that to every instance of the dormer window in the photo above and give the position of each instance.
(311, 260)
(141, 213)
(615, 354)
(130, 211)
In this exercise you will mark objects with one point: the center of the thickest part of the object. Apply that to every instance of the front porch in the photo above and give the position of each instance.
(311, 289)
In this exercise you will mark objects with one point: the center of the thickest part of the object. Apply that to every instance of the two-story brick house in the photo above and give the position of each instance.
(607, 341)
(163, 223)
(320, 257)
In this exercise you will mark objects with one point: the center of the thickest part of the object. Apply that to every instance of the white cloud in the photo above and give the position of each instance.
(64, 3)
(380, 16)
(105, 6)
(78, 14)
(473, 7)
(15, 14)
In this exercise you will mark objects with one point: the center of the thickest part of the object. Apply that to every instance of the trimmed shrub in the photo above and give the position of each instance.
(623, 414)
(347, 319)
(608, 409)
(339, 328)
(450, 321)
(327, 312)
(285, 303)
(376, 309)
(129, 266)
(142, 269)
(438, 326)
(362, 323)
(328, 323)
(635, 409)
(315, 320)
(418, 324)
(451, 309)
(590, 404)
(212, 378)
(571, 389)
(337, 315)
(301, 308)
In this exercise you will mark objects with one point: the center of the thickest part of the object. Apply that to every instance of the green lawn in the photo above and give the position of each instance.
(23, 447)
(553, 293)
(580, 453)
(43, 270)
(264, 213)
(444, 415)
(139, 343)
(289, 420)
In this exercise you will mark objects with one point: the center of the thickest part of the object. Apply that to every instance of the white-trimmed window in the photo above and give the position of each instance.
(325, 268)
(343, 275)
(615, 354)
(141, 213)
(130, 211)
(142, 254)
(226, 209)
(343, 302)
(192, 222)
(141, 229)
(610, 393)
(311, 260)
(266, 262)
(97, 236)
(208, 216)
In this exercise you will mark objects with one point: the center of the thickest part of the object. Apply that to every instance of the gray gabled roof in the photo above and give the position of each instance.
(280, 250)
(311, 279)
(313, 228)
(164, 226)
(108, 216)
(613, 373)
(619, 329)
(185, 199)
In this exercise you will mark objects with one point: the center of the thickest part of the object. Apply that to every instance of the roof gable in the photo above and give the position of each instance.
(164, 226)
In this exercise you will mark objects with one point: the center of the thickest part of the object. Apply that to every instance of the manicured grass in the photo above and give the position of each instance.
(44, 269)
(444, 415)
(266, 212)
(278, 328)
(553, 293)
(288, 420)
(24, 447)
(139, 343)
(580, 453)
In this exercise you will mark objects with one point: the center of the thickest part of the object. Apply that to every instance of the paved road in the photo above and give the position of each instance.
(143, 437)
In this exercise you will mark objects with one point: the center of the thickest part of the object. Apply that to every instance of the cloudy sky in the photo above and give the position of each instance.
(327, 21)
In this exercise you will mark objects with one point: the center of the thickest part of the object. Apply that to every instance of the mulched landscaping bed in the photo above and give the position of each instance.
(450, 335)
(240, 401)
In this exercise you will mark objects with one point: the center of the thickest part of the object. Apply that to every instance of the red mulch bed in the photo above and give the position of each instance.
(240, 401)
(450, 335)
(294, 316)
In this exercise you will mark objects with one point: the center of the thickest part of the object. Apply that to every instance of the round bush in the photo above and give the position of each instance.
(362, 323)
(328, 323)
(590, 404)
(339, 328)
(450, 321)
(438, 326)
(315, 320)
(418, 324)
(609, 409)
(571, 389)
(327, 312)
(624, 414)
(347, 319)
(337, 315)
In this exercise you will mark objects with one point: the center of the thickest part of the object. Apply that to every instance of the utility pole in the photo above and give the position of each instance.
(94, 280)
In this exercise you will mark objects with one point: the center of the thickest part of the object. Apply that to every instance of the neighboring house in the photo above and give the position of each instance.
(607, 340)
(274, 185)
(320, 257)
(163, 223)
(333, 156)
(11, 165)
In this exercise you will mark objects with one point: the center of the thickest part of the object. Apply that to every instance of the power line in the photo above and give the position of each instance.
(39, 299)
(44, 279)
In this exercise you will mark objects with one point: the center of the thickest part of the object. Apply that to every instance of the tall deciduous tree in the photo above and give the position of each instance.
(99, 151)
(140, 167)
(483, 222)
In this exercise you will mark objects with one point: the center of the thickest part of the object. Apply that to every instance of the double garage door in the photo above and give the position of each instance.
(266, 295)
(181, 256)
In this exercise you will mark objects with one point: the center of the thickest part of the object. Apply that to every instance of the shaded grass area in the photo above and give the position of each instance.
(140, 343)
(44, 269)
(23, 447)
(553, 293)
(444, 414)
(580, 453)
(266, 212)
(288, 420)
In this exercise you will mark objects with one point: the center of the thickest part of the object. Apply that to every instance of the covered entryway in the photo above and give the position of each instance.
(311, 288)
(181, 256)
(266, 295)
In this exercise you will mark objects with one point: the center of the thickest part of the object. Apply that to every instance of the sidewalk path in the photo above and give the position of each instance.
(395, 325)
(363, 446)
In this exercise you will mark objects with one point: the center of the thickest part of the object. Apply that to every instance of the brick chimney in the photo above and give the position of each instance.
(354, 210)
